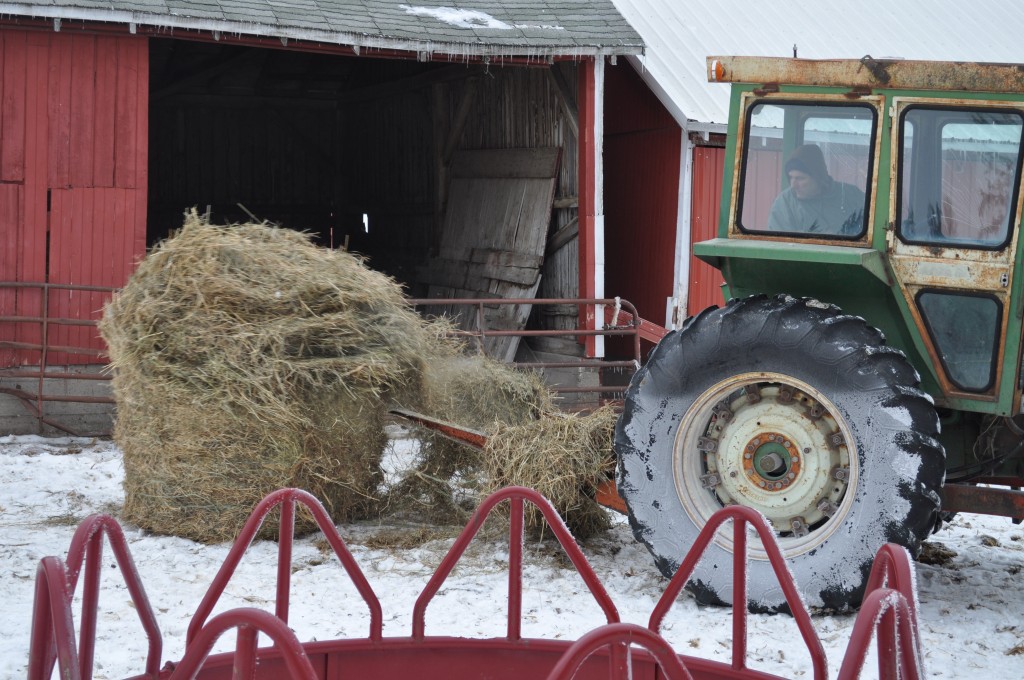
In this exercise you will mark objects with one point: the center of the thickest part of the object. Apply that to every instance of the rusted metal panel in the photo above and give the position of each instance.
(463, 435)
(705, 285)
(983, 500)
(869, 73)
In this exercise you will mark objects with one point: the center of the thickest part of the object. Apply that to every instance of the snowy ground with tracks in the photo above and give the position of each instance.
(971, 603)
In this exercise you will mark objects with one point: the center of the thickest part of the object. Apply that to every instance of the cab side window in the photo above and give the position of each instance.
(958, 176)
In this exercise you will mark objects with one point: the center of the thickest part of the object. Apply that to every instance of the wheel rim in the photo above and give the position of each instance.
(773, 443)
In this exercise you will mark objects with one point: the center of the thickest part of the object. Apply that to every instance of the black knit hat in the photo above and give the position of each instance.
(809, 160)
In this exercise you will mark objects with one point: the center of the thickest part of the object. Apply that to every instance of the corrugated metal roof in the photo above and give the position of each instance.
(510, 28)
(680, 34)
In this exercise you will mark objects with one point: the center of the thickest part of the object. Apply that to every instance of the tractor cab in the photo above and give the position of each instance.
(864, 379)
(908, 171)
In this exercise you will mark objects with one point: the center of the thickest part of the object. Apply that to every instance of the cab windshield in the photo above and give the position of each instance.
(806, 170)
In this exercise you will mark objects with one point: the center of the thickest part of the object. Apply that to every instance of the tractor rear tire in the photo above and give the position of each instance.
(793, 408)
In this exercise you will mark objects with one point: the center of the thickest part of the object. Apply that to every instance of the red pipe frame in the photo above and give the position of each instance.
(889, 608)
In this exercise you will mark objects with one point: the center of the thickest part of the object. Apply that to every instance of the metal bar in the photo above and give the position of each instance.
(875, 605)
(596, 388)
(463, 435)
(246, 537)
(286, 533)
(36, 319)
(983, 500)
(798, 609)
(56, 375)
(616, 635)
(85, 551)
(739, 595)
(25, 396)
(37, 402)
(57, 286)
(515, 568)
(592, 363)
(547, 333)
(557, 527)
(44, 351)
(67, 349)
(245, 652)
(90, 607)
(297, 665)
(53, 628)
(61, 426)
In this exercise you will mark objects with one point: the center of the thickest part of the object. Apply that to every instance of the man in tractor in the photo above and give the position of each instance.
(814, 202)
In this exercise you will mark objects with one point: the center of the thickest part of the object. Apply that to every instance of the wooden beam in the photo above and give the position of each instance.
(563, 236)
(415, 82)
(459, 121)
(564, 95)
(208, 71)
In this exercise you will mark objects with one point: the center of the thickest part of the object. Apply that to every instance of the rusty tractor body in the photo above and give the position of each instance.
(865, 378)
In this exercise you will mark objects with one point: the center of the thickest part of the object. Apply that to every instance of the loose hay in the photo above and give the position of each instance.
(474, 392)
(562, 456)
(247, 359)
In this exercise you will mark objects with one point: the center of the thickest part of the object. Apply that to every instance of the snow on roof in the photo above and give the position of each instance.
(526, 28)
(679, 36)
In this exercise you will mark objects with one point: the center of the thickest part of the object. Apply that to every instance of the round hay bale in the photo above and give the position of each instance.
(564, 457)
(247, 359)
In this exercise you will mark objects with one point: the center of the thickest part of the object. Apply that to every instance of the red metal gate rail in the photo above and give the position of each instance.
(614, 650)
(621, 320)
(34, 360)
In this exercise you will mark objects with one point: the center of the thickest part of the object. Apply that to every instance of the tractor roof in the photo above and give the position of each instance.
(894, 74)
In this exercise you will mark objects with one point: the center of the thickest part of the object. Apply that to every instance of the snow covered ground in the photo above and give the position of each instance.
(971, 608)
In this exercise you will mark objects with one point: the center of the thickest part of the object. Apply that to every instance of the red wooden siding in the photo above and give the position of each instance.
(10, 210)
(642, 150)
(705, 281)
(73, 158)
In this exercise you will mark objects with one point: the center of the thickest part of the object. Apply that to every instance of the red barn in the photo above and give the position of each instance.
(365, 123)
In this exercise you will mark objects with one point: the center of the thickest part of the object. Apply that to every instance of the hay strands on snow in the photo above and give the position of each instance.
(604, 494)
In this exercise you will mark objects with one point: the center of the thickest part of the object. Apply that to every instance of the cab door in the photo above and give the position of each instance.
(955, 208)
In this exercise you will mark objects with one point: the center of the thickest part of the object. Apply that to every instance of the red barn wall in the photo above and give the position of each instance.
(705, 285)
(642, 147)
(73, 177)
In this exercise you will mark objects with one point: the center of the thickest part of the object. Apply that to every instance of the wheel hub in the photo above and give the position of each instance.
(771, 461)
(772, 445)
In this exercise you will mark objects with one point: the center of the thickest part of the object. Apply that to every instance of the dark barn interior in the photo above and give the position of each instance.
(356, 150)
(457, 178)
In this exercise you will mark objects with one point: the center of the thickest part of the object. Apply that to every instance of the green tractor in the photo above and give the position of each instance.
(864, 380)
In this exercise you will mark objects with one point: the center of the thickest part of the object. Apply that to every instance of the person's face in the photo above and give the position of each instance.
(803, 185)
